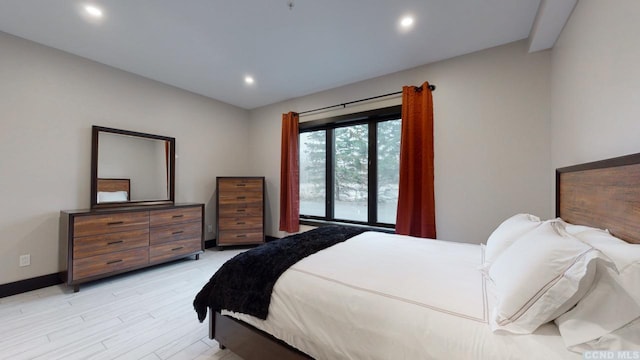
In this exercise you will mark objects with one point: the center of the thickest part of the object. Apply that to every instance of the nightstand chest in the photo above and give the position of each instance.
(240, 210)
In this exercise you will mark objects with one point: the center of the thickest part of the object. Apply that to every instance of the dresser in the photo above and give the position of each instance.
(105, 242)
(239, 210)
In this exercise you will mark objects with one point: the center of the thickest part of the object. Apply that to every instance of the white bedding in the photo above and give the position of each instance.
(383, 296)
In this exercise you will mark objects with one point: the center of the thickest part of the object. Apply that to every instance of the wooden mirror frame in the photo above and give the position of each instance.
(95, 131)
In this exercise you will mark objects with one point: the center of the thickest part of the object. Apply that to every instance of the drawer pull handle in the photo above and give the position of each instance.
(177, 232)
(178, 248)
(116, 223)
(178, 216)
(241, 210)
(241, 184)
(114, 262)
(240, 223)
(241, 197)
(241, 236)
(115, 242)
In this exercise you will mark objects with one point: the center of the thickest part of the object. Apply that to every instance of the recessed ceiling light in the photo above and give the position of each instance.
(249, 80)
(406, 22)
(93, 11)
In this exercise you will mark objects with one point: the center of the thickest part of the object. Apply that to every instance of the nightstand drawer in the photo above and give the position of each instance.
(240, 236)
(175, 232)
(240, 185)
(240, 223)
(175, 216)
(174, 249)
(108, 243)
(108, 263)
(109, 223)
(239, 211)
(240, 198)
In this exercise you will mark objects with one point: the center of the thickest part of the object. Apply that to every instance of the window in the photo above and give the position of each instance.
(349, 168)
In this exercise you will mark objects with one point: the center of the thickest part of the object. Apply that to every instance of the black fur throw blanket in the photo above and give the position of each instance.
(244, 283)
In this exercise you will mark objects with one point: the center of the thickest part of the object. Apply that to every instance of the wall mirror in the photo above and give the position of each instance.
(130, 168)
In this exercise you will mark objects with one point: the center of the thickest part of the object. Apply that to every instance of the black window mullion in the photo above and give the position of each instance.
(372, 174)
(330, 164)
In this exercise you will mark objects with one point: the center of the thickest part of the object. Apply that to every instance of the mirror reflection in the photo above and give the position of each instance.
(142, 161)
(131, 168)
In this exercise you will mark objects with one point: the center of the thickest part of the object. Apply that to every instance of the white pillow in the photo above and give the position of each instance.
(600, 315)
(576, 229)
(626, 338)
(111, 196)
(624, 255)
(507, 232)
(540, 276)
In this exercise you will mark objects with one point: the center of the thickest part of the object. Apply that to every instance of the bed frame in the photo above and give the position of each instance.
(249, 342)
(603, 194)
(105, 184)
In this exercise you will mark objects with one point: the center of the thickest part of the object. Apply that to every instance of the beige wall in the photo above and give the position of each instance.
(48, 102)
(595, 86)
(492, 156)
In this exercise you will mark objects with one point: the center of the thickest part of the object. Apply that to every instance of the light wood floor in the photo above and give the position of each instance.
(147, 315)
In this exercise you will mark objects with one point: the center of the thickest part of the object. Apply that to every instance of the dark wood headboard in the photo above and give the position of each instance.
(115, 185)
(603, 194)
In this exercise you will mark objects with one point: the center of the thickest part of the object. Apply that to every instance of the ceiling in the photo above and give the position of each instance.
(209, 46)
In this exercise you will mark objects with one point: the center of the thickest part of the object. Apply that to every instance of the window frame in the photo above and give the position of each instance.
(329, 124)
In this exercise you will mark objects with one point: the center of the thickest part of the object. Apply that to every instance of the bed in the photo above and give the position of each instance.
(380, 296)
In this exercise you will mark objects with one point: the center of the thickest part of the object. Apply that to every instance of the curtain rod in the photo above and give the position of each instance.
(344, 105)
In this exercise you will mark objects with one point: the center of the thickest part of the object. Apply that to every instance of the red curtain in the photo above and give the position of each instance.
(416, 205)
(289, 174)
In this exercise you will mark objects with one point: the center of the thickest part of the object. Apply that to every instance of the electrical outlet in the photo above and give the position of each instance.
(210, 228)
(25, 260)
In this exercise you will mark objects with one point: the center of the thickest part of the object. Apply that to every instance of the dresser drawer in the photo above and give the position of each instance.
(175, 216)
(109, 223)
(231, 237)
(239, 211)
(107, 263)
(238, 198)
(107, 243)
(240, 185)
(240, 223)
(175, 232)
(166, 251)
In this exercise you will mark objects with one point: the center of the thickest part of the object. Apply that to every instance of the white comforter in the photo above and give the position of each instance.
(383, 296)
